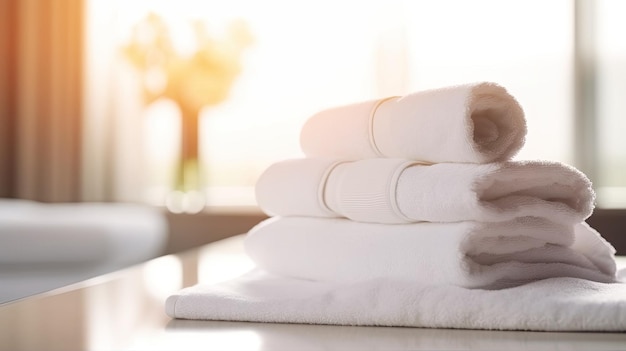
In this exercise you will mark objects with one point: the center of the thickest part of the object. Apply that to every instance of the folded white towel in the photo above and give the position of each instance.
(467, 254)
(384, 190)
(556, 304)
(467, 123)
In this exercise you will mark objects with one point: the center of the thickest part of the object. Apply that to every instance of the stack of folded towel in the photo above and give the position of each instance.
(409, 211)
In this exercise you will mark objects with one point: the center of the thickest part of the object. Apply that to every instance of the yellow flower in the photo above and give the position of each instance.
(203, 78)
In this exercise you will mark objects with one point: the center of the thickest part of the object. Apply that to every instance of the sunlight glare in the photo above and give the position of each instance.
(203, 339)
(163, 276)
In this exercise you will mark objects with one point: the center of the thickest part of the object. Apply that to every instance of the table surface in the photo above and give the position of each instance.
(124, 310)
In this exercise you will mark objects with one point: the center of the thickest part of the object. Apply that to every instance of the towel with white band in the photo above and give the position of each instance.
(399, 191)
(475, 123)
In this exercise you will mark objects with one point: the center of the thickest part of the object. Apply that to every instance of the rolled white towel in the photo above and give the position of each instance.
(475, 123)
(467, 254)
(383, 190)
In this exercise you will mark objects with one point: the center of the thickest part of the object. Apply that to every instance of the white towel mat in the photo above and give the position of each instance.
(556, 304)
(383, 190)
(476, 123)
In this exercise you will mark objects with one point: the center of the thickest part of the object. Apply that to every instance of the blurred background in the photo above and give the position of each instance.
(152, 101)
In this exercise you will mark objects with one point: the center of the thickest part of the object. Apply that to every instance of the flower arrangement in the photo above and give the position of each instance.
(194, 81)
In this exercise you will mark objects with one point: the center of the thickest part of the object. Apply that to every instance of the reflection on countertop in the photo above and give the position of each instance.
(271, 336)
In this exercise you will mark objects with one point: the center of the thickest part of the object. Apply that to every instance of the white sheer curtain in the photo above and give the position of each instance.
(113, 157)
(611, 105)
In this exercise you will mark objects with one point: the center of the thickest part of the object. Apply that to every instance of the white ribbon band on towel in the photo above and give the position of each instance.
(295, 187)
(322, 187)
(372, 138)
(366, 190)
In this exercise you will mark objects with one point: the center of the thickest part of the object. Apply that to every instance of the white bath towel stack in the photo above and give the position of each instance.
(404, 198)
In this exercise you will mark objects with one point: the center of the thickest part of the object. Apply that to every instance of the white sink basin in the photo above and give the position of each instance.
(45, 246)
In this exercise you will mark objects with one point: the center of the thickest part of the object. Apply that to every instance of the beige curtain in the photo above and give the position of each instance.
(40, 99)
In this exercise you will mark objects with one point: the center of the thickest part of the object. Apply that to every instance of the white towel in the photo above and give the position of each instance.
(467, 254)
(476, 123)
(556, 304)
(383, 190)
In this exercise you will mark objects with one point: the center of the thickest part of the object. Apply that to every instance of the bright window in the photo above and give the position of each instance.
(611, 102)
(310, 55)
